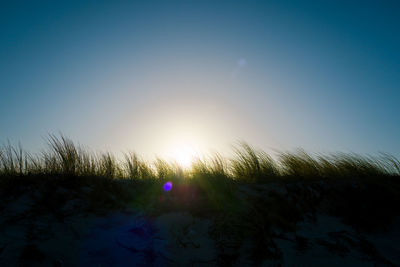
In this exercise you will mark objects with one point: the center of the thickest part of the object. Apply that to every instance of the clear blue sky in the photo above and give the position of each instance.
(144, 75)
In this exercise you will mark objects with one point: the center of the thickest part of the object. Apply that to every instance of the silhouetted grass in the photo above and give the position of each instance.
(249, 195)
(136, 169)
(215, 177)
(253, 165)
(64, 157)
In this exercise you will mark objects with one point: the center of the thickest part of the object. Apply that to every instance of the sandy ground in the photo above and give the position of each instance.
(131, 238)
(116, 239)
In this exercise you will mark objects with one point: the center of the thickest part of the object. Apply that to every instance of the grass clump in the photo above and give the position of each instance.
(253, 165)
(249, 165)
(249, 196)
(13, 160)
(135, 168)
(212, 176)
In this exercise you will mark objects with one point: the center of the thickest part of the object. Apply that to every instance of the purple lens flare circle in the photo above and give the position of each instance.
(167, 186)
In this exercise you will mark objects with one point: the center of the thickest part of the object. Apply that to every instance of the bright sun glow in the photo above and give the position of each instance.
(183, 142)
(183, 155)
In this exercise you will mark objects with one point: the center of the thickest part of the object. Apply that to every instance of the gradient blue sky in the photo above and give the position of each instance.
(146, 75)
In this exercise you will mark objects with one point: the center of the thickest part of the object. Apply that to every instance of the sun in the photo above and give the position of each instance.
(184, 155)
(183, 144)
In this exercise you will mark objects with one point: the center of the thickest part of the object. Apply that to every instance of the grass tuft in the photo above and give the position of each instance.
(253, 165)
(249, 165)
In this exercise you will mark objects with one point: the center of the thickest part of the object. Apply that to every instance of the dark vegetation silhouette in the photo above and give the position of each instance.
(248, 196)
(64, 158)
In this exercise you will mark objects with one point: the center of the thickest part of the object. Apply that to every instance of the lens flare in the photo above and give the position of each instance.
(167, 186)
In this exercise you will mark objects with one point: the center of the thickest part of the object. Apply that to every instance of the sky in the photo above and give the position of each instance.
(154, 76)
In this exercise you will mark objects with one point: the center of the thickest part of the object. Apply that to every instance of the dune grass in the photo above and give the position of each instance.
(248, 196)
(64, 158)
(214, 179)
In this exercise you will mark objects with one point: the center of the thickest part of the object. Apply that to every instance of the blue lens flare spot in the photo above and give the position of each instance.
(168, 186)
